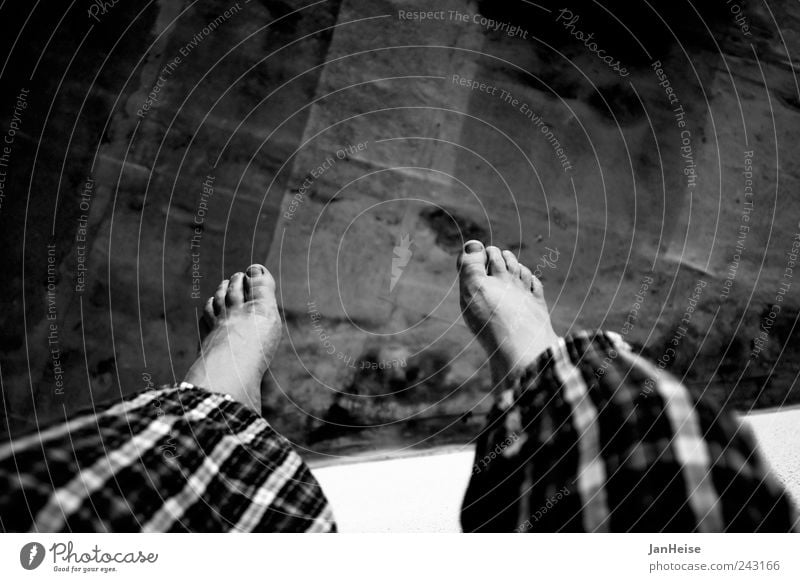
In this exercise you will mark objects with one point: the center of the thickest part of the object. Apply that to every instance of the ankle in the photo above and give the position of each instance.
(507, 366)
(246, 391)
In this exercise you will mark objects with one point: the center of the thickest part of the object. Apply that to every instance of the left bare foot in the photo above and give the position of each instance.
(243, 331)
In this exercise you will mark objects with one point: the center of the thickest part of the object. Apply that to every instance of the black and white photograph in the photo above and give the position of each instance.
(400, 267)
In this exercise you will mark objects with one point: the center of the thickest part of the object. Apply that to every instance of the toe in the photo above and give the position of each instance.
(235, 295)
(472, 262)
(207, 320)
(255, 270)
(208, 311)
(258, 283)
(512, 264)
(526, 276)
(219, 297)
(536, 287)
(496, 263)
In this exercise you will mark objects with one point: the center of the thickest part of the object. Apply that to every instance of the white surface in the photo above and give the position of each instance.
(778, 435)
(411, 494)
(424, 493)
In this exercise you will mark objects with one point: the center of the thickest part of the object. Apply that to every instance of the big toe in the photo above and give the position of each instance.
(258, 283)
(472, 261)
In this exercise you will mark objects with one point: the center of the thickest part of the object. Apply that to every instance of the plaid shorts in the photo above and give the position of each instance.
(174, 459)
(596, 438)
(590, 438)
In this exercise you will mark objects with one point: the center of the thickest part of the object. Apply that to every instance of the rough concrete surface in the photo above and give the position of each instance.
(341, 144)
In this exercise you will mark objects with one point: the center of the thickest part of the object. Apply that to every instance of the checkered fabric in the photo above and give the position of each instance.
(596, 438)
(174, 459)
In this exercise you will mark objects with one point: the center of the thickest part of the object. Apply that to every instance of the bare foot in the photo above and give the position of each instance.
(242, 331)
(503, 305)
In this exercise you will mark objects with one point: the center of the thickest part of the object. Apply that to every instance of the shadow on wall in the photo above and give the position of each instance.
(629, 35)
(639, 32)
(395, 391)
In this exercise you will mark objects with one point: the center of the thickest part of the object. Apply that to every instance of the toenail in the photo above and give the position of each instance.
(473, 246)
(255, 270)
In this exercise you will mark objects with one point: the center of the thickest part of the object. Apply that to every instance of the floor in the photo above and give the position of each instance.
(422, 493)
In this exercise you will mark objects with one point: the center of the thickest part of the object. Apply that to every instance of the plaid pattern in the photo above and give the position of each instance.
(173, 459)
(595, 438)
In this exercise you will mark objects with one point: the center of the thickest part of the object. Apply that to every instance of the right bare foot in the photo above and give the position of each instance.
(503, 305)
(242, 331)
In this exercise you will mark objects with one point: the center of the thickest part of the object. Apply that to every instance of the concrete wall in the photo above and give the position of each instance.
(346, 146)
